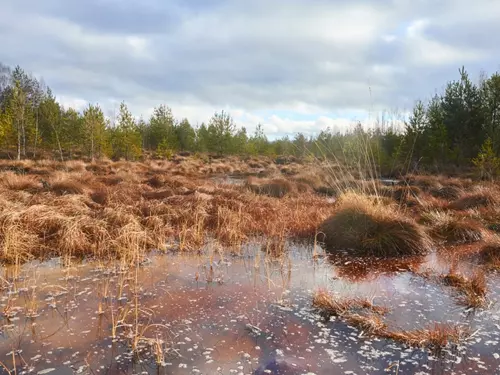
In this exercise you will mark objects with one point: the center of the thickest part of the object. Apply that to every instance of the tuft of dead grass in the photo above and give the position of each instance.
(435, 337)
(485, 198)
(489, 255)
(453, 229)
(16, 182)
(449, 192)
(471, 292)
(65, 185)
(276, 188)
(364, 315)
(366, 226)
(331, 305)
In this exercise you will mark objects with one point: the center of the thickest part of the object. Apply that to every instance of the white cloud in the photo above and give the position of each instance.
(301, 60)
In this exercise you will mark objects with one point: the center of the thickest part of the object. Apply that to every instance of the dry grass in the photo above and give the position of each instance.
(362, 314)
(449, 192)
(12, 181)
(65, 185)
(471, 292)
(331, 305)
(276, 188)
(485, 198)
(369, 227)
(122, 217)
(452, 229)
(435, 337)
(489, 255)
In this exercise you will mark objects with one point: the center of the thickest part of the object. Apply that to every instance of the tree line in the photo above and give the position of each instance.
(458, 127)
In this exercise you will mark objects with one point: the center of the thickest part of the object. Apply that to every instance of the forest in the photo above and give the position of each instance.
(457, 128)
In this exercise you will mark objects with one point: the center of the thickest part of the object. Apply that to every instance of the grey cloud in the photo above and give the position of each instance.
(257, 55)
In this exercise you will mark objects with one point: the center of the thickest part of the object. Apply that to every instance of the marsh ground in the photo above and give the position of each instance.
(190, 266)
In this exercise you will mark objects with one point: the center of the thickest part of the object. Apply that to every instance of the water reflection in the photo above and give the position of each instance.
(207, 314)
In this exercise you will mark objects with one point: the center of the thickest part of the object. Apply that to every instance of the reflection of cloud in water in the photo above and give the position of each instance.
(258, 315)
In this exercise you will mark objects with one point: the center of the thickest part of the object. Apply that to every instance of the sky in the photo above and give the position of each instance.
(291, 65)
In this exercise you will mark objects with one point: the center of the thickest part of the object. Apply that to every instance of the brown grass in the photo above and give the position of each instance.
(489, 255)
(62, 186)
(449, 192)
(276, 188)
(369, 227)
(474, 200)
(12, 181)
(452, 229)
(159, 194)
(435, 337)
(100, 196)
(471, 291)
(358, 312)
(364, 315)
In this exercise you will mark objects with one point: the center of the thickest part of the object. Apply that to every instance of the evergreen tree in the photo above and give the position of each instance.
(127, 141)
(95, 137)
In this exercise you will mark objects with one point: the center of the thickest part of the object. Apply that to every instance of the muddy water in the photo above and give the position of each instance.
(231, 315)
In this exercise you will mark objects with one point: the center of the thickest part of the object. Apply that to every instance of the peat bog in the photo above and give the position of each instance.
(245, 267)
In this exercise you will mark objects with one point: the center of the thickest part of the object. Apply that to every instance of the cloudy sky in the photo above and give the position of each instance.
(292, 65)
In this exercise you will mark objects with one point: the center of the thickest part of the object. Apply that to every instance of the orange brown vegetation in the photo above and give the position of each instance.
(366, 226)
(124, 209)
(471, 292)
(364, 315)
(453, 229)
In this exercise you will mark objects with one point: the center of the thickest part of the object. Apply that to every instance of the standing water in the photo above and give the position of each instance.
(247, 314)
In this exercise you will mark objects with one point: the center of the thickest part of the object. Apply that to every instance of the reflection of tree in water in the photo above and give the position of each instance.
(366, 268)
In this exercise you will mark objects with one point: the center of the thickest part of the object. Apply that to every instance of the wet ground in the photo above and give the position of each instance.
(233, 315)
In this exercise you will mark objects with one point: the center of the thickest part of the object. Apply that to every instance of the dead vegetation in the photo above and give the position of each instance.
(370, 227)
(362, 314)
(471, 292)
(123, 210)
(453, 229)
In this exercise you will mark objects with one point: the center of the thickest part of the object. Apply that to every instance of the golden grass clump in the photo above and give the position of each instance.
(453, 229)
(485, 198)
(489, 255)
(276, 188)
(471, 292)
(331, 305)
(66, 185)
(449, 192)
(12, 181)
(368, 227)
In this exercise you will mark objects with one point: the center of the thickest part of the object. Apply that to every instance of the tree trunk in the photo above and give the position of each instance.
(36, 135)
(92, 144)
(18, 142)
(23, 128)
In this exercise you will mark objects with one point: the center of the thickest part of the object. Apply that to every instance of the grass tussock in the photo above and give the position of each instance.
(469, 201)
(364, 226)
(276, 188)
(449, 193)
(489, 255)
(471, 292)
(66, 185)
(452, 229)
(331, 305)
(16, 182)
